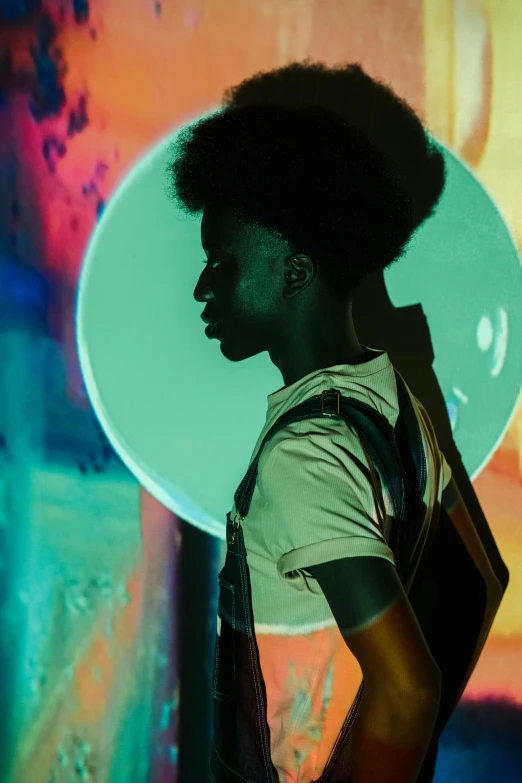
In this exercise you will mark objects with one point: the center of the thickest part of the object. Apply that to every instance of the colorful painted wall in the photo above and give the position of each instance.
(90, 563)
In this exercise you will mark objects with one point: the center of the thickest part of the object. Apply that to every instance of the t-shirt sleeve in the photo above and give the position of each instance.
(319, 502)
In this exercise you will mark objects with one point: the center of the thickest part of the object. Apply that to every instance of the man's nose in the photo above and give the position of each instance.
(202, 291)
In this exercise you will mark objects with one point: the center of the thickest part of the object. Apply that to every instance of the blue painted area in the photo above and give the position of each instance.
(81, 11)
(47, 95)
(78, 119)
(18, 10)
(52, 146)
(22, 288)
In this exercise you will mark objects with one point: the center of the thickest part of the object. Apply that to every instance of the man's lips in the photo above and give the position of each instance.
(212, 329)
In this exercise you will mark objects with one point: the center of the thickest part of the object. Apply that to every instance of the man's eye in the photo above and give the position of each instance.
(208, 261)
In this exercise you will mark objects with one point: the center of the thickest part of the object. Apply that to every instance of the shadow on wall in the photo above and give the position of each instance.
(404, 333)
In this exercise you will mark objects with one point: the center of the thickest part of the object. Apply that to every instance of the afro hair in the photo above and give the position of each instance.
(328, 160)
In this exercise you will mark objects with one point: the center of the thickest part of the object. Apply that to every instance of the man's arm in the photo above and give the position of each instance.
(399, 706)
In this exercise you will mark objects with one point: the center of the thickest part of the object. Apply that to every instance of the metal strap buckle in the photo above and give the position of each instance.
(330, 402)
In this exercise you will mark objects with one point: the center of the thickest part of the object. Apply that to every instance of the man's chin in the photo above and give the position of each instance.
(235, 352)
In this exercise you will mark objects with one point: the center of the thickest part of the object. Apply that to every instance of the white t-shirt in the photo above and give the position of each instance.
(315, 500)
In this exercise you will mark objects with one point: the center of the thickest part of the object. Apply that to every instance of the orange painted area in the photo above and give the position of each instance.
(95, 673)
(306, 706)
(497, 673)
(94, 676)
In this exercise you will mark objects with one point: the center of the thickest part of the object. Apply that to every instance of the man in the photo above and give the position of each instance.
(298, 207)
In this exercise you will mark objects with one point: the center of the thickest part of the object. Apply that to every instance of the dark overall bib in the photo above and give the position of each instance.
(240, 750)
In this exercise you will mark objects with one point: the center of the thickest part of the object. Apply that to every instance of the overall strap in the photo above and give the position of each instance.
(397, 453)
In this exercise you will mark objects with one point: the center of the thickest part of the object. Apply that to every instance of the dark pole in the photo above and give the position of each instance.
(200, 555)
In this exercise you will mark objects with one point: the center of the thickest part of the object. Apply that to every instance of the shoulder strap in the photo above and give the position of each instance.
(397, 453)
